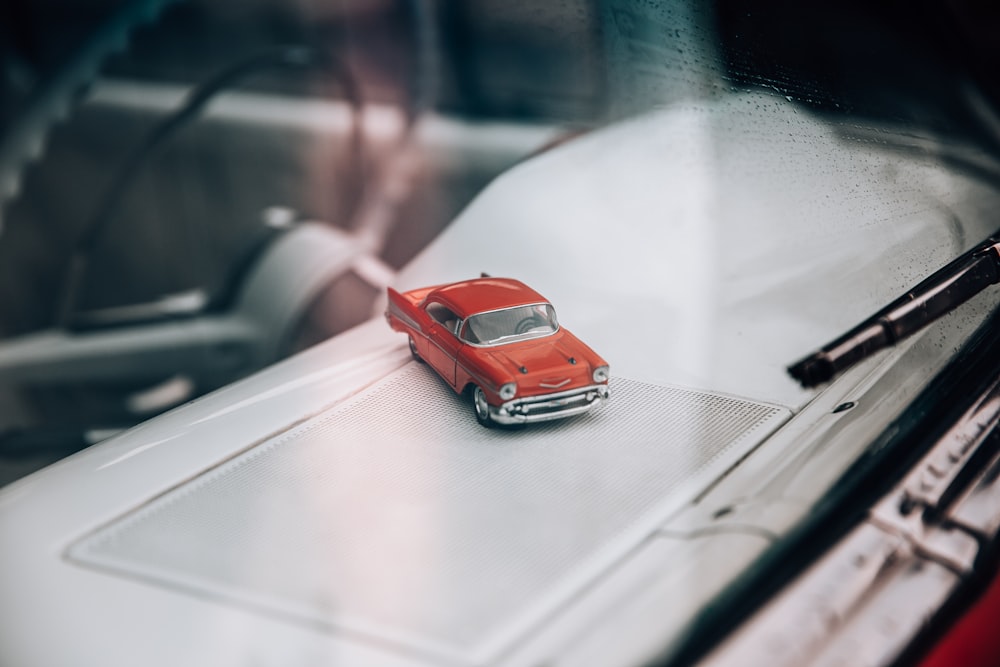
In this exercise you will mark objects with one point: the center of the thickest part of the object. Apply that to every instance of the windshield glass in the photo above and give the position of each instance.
(510, 325)
(193, 192)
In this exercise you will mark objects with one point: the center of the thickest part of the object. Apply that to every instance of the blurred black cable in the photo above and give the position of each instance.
(197, 100)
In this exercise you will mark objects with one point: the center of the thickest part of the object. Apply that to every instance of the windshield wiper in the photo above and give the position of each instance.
(938, 294)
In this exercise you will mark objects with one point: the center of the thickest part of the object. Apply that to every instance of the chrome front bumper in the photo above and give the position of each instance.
(549, 406)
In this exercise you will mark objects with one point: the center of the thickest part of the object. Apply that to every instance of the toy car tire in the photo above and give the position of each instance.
(413, 350)
(481, 407)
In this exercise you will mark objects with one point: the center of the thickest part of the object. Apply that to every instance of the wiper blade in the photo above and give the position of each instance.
(938, 294)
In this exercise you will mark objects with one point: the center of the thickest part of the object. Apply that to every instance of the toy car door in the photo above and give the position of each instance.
(443, 343)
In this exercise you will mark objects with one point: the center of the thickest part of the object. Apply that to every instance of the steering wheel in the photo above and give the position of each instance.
(527, 324)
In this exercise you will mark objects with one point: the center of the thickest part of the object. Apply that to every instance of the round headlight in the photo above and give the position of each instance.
(601, 374)
(508, 391)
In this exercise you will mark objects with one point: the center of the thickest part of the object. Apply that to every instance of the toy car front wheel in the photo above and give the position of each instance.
(413, 350)
(481, 407)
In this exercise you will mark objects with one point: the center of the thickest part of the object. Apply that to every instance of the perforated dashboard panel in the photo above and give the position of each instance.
(395, 518)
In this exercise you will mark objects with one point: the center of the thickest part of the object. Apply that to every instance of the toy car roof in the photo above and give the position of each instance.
(478, 295)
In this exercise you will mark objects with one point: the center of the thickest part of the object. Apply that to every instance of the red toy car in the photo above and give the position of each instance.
(498, 339)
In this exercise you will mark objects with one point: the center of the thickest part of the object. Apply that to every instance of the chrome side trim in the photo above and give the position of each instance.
(451, 355)
(394, 310)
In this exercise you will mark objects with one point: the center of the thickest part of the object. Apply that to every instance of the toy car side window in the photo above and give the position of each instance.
(443, 315)
(468, 335)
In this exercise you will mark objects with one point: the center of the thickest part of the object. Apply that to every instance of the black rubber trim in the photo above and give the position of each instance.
(884, 463)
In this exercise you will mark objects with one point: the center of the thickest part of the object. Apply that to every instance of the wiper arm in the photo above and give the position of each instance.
(938, 294)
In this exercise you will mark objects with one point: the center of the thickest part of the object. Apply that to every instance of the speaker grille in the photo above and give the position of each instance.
(395, 517)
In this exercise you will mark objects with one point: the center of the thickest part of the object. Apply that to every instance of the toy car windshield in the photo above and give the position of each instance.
(510, 325)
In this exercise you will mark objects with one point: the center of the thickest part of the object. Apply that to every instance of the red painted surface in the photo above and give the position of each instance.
(482, 294)
(975, 640)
